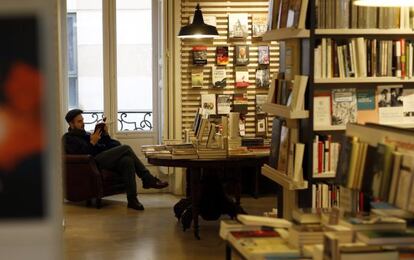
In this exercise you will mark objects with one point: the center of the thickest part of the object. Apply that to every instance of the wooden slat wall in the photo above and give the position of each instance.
(191, 97)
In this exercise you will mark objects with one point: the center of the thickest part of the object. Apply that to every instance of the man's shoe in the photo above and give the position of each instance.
(135, 204)
(154, 183)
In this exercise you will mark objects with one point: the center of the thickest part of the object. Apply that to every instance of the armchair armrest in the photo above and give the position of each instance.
(83, 180)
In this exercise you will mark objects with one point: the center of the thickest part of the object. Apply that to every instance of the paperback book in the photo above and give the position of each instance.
(222, 55)
(259, 24)
(242, 78)
(208, 102)
(344, 106)
(199, 55)
(223, 104)
(218, 76)
(241, 55)
(240, 103)
(263, 77)
(197, 78)
(238, 25)
(264, 55)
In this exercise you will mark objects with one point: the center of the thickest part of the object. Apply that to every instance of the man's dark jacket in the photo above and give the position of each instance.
(78, 142)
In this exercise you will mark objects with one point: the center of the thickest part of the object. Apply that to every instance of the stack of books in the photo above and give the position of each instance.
(211, 153)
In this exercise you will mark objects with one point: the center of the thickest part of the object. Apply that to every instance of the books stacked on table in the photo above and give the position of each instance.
(159, 151)
(373, 223)
(229, 225)
(184, 151)
(211, 153)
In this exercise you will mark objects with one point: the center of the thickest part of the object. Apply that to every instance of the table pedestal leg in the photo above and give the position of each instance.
(195, 196)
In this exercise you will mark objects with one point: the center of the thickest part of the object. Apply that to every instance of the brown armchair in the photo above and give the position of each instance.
(84, 181)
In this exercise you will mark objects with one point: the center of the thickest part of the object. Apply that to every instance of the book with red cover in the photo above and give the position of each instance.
(255, 233)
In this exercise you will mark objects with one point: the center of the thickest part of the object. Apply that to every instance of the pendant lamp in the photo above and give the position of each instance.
(198, 29)
(385, 3)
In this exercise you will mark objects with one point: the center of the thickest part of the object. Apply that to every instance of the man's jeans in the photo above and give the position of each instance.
(123, 160)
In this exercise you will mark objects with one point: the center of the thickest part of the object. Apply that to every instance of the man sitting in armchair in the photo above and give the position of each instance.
(109, 154)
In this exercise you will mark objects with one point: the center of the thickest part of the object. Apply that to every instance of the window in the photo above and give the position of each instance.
(72, 61)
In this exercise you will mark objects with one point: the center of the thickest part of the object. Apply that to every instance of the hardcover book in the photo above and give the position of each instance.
(240, 103)
(218, 76)
(242, 78)
(282, 162)
(261, 125)
(208, 102)
(259, 24)
(293, 13)
(197, 78)
(199, 55)
(222, 55)
(241, 55)
(260, 100)
(344, 106)
(238, 25)
(275, 143)
(263, 77)
(223, 104)
(264, 55)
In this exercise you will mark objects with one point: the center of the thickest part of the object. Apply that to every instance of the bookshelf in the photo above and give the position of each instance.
(285, 111)
(282, 179)
(286, 34)
(310, 38)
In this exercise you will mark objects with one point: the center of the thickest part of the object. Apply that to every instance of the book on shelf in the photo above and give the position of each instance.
(325, 156)
(240, 103)
(242, 77)
(259, 24)
(273, 14)
(218, 76)
(261, 125)
(360, 58)
(390, 104)
(259, 101)
(223, 104)
(405, 188)
(208, 102)
(262, 77)
(388, 237)
(325, 196)
(241, 55)
(238, 25)
(222, 55)
(299, 149)
(344, 106)
(263, 55)
(338, 14)
(296, 16)
(282, 162)
(292, 59)
(322, 110)
(275, 143)
(298, 93)
(199, 55)
(197, 78)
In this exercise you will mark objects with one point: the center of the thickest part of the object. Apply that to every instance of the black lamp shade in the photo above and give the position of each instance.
(198, 29)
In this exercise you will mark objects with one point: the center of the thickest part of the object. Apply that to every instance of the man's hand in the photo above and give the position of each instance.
(96, 136)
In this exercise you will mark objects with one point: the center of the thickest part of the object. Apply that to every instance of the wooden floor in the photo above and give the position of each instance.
(115, 232)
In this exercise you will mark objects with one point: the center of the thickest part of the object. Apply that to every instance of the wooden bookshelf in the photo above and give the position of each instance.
(363, 32)
(286, 34)
(377, 80)
(282, 179)
(284, 111)
(324, 175)
(374, 134)
(329, 128)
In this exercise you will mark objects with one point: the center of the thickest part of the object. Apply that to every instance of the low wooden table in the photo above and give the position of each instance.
(195, 169)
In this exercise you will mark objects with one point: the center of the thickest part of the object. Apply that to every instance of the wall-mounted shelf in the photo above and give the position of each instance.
(282, 179)
(329, 128)
(285, 34)
(363, 32)
(363, 80)
(324, 175)
(284, 111)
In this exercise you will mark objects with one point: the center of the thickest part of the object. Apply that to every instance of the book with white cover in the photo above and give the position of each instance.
(238, 25)
(218, 76)
(264, 221)
(208, 102)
